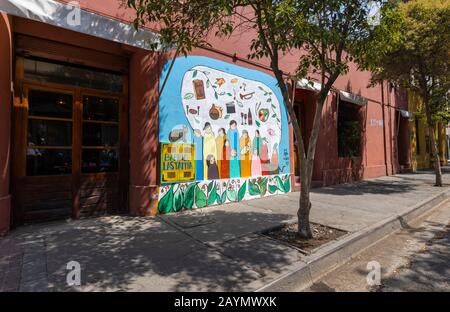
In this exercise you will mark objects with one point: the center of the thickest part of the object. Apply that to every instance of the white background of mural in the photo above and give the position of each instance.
(214, 96)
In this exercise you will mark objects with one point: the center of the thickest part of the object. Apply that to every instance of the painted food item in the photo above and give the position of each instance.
(215, 112)
(219, 97)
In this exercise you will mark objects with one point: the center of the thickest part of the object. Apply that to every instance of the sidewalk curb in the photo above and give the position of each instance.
(328, 257)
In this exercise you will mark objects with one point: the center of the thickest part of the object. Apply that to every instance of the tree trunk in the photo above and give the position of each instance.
(434, 149)
(304, 229)
(435, 155)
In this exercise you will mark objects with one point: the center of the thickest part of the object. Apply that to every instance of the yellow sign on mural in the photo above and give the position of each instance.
(177, 162)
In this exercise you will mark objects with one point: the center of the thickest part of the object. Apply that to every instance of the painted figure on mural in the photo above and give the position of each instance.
(257, 143)
(274, 159)
(198, 141)
(225, 163)
(209, 146)
(264, 156)
(213, 170)
(235, 166)
(246, 161)
(233, 138)
(256, 164)
(220, 140)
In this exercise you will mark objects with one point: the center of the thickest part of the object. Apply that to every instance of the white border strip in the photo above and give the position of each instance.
(353, 98)
(57, 14)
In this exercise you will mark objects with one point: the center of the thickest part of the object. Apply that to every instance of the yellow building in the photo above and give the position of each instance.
(420, 138)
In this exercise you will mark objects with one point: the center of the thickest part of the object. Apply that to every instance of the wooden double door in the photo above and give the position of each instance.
(70, 152)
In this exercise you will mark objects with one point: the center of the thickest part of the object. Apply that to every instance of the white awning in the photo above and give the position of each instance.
(64, 16)
(309, 85)
(352, 98)
(405, 114)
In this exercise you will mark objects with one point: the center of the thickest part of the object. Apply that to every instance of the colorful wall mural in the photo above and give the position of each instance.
(222, 126)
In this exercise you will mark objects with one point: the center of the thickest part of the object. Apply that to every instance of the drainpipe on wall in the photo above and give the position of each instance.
(384, 129)
(390, 127)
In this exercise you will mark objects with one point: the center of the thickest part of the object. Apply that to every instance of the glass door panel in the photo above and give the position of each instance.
(49, 143)
(100, 141)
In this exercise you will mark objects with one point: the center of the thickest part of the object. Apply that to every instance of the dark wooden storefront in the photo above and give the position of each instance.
(70, 144)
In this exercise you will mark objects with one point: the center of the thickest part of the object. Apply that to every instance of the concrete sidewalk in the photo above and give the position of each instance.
(212, 249)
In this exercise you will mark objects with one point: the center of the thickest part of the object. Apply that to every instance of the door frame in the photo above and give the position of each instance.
(20, 142)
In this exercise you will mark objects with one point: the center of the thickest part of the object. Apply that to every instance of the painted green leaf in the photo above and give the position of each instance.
(200, 198)
(229, 94)
(272, 189)
(274, 115)
(257, 123)
(216, 95)
(189, 196)
(212, 196)
(194, 74)
(241, 192)
(263, 186)
(208, 84)
(222, 93)
(188, 96)
(210, 186)
(280, 183)
(224, 197)
(166, 202)
(227, 116)
(273, 105)
(253, 189)
(231, 195)
(239, 103)
(178, 200)
(269, 100)
(196, 120)
(287, 185)
(219, 198)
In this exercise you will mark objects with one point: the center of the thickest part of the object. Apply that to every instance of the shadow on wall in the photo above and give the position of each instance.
(125, 253)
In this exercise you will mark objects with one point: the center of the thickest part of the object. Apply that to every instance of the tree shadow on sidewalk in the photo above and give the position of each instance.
(145, 254)
(383, 187)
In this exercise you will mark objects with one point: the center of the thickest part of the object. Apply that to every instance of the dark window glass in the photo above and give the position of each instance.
(48, 161)
(100, 109)
(349, 130)
(81, 76)
(49, 132)
(49, 104)
(99, 134)
(99, 160)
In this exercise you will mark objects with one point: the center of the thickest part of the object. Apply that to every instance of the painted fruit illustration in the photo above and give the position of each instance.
(263, 114)
(215, 112)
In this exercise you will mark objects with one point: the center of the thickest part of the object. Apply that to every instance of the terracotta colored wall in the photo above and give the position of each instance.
(5, 121)
(144, 160)
(145, 69)
(379, 151)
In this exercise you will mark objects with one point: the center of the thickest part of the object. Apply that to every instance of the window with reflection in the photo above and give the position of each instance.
(37, 69)
(100, 135)
(49, 148)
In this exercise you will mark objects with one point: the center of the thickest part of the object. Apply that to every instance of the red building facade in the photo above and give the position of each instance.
(101, 80)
